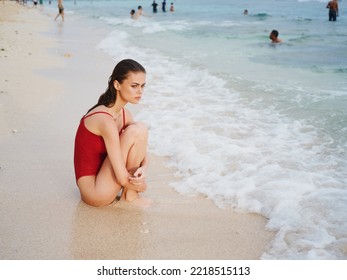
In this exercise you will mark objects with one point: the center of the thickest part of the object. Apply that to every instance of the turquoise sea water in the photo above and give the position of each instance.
(251, 125)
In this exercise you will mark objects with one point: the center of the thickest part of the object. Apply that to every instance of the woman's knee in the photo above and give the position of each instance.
(138, 131)
(98, 196)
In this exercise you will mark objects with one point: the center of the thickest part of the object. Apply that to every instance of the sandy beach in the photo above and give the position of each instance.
(50, 75)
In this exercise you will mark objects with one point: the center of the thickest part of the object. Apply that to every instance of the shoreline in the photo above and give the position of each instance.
(42, 214)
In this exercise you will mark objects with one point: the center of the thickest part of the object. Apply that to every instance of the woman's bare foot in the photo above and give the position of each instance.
(135, 199)
(141, 202)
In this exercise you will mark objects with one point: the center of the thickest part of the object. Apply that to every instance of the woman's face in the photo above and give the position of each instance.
(132, 88)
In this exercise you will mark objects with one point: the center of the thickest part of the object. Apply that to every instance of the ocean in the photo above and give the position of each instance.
(253, 126)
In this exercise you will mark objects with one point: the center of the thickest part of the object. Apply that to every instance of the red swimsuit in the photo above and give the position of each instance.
(90, 149)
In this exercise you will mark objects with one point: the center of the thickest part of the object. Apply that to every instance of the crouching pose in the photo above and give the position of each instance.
(110, 156)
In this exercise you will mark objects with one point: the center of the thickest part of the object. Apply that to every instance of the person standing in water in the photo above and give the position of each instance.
(163, 6)
(154, 6)
(333, 7)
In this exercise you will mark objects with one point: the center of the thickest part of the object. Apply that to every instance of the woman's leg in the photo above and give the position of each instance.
(104, 188)
(133, 143)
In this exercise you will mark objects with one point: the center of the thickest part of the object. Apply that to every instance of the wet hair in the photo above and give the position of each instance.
(120, 73)
(139, 7)
(132, 12)
(274, 32)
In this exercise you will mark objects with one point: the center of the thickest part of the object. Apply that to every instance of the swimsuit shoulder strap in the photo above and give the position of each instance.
(124, 123)
(123, 118)
(99, 112)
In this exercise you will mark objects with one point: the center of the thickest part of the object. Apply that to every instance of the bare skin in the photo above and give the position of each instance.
(138, 13)
(61, 10)
(274, 38)
(333, 5)
(124, 168)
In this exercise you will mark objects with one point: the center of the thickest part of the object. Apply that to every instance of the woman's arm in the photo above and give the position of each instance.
(139, 175)
(109, 132)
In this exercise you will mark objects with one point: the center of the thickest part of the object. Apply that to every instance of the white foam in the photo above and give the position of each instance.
(323, 1)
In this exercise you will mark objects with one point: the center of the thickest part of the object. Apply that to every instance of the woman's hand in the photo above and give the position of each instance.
(139, 176)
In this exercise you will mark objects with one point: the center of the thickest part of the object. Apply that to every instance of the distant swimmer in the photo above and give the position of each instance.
(245, 12)
(274, 37)
(138, 13)
(172, 8)
(132, 14)
(333, 7)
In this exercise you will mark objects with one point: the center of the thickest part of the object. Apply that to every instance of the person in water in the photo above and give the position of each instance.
(333, 7)
(163, 6)
(110, 153)
(274, 37)
(154, 6)
(132, 14)
(139, 12)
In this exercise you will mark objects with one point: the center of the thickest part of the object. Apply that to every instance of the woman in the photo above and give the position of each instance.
(110, 148)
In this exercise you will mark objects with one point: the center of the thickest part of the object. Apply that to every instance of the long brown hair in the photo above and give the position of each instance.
(120, 73)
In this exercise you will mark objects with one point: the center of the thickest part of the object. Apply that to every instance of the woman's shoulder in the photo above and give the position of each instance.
(99, 116)
(98, 121)
(100, 110)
